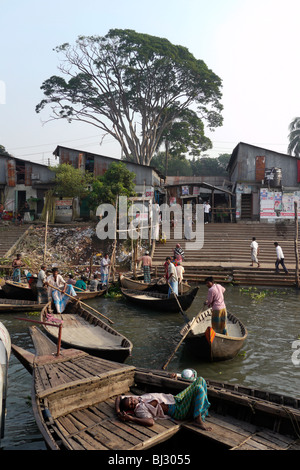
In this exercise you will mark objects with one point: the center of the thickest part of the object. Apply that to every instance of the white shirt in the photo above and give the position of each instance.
(254, 245)
(172, 273)
(279, 252)
(145, 410)
(180, 271)
(41, 278)
(206, 208)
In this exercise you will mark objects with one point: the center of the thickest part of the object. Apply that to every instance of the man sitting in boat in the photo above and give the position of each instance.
(215, 300)
(145, 409)
(80, 284)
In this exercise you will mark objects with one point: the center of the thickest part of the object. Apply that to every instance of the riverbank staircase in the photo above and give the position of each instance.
(225, 254)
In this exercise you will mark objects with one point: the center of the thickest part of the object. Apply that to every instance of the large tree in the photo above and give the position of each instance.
(132, 86)
(294, 137)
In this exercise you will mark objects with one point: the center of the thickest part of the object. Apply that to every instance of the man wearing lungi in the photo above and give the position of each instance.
(215, 300)
(147, 264)
(145, 409)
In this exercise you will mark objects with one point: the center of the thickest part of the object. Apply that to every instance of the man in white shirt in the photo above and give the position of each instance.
(172, 277)
(207, 209)
(254, 252)
(280, 258)
(41, 289)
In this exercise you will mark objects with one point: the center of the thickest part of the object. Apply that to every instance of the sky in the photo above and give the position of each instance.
(252, 45)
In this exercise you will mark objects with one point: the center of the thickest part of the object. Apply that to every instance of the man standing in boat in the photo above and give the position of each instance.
(215, 300)
(172, 277)
(17, 264)
(147, 264)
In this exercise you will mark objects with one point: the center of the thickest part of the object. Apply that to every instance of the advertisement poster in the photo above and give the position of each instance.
(275, 204)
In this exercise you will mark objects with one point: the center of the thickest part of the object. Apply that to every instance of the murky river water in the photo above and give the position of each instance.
(265, 362)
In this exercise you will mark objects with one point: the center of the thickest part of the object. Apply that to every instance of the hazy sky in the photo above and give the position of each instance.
(252, 45)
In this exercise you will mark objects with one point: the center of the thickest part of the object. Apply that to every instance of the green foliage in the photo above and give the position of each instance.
(116, 181)
(70, 181)
(134, 87)
(203, 166)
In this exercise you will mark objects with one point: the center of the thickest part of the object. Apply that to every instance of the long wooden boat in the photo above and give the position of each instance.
(157, 284)
(22, 291)
(90, 294)
(19, 305)
(5, 350)
(158, 301)
(84, 330)
(205, 344)
(19, 290)
(73, 397)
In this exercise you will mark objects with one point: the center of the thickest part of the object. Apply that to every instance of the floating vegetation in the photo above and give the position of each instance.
(255, 294)
(114, 292)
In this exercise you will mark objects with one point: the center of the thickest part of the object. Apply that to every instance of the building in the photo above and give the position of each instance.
(216, 190)
(21, 181)
(148, 180)
(266, 183)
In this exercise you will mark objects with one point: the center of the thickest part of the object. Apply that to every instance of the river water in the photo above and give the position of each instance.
(269, 359)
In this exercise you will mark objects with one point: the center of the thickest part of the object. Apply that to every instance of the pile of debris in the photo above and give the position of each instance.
(67, 247)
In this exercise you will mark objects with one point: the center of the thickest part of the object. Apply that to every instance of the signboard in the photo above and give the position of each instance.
(63, 210)
(275, 204)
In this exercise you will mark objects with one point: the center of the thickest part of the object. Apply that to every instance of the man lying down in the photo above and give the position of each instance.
(145, 409)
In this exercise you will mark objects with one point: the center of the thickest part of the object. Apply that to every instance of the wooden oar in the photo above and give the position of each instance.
(180, 342)
(77, 300)
(181, 311)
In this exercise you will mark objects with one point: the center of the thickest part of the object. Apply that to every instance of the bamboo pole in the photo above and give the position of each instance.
(296, 244)
(179, 344)
(80, 301)
(181, 311)
(46, 230)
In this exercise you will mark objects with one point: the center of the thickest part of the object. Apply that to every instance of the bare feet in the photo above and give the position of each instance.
(198, 422)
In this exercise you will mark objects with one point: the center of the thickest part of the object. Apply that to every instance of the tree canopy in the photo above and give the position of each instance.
(133, 87)
(70, 181)
(116, 181)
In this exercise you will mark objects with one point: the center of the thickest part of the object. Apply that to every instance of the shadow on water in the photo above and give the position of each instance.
(271, 316)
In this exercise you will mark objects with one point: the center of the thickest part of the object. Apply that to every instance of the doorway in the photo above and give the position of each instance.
(246, 206)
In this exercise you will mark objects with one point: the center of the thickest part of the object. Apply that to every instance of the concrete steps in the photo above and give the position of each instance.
(9, 236)
(226, 254)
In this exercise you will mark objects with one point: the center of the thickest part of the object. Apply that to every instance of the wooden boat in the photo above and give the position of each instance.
(5, 350)
(73, 397)
(19, 290)
(205, 344)
(161, 302)
(84, 330)
(90, 294)
(157, 284)
(16, 305)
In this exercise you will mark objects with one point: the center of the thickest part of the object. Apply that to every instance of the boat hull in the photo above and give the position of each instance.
(85, 331)
(208, 345)
(157, 285)
(161, 302)
(15, 290)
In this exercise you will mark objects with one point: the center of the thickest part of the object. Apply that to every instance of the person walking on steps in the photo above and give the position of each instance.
(280, 259)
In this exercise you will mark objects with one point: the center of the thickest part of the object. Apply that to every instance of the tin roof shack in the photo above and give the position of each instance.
(148, 180)
(21, 181)
(266, 183)
(198, 189)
